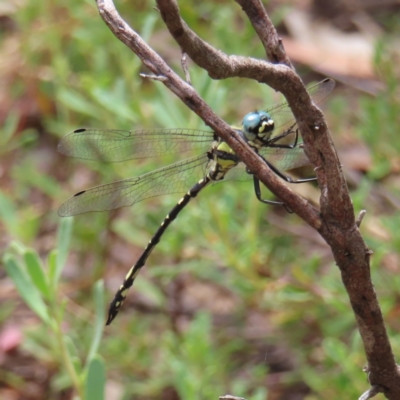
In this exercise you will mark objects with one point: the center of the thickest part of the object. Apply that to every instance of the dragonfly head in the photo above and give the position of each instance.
(257, 125)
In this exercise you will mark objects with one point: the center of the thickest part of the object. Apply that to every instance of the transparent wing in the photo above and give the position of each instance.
(282, 114)
(118, 145)
(286, 159)
(283, 159)
(175, 178)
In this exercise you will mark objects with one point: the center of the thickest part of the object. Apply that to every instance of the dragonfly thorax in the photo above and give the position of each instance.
(223, 159)
(257, 125)
(217, 163)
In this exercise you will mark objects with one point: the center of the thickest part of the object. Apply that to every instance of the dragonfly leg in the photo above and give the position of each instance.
(285, 177)
(284, 146)
(257, 191)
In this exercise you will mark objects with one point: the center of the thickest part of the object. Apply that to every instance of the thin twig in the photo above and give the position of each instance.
(372, 392)
(218, 64)
(265, 31)
(191, 98)
(185, 68)
(336, 222)
(360, 217)
(282, 78)
(160, 78)
(230, 397)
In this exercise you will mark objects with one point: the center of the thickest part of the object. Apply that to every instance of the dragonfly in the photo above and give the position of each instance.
(272, 133)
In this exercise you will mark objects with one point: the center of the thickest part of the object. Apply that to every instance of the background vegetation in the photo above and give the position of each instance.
(238, 297)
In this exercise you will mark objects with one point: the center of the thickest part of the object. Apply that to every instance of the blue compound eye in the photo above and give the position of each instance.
(258, 123)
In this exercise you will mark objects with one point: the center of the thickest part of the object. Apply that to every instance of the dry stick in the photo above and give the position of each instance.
(191, 98)
(339, 227)
(266, 32)
(336, 222)
(280, 77)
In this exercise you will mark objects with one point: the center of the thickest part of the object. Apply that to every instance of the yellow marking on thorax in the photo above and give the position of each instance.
(225, 164)
(225, 147)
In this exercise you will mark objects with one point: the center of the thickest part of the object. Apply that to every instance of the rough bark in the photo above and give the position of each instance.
(335, 221)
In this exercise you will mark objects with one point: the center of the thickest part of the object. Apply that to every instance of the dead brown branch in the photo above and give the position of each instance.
(335, 221)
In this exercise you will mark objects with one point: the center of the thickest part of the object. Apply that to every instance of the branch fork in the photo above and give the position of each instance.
(335, 221)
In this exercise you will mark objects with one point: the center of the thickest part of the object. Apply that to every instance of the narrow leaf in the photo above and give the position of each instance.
(98, 294)
(25, 287)
(36, 272)
(63, 241)
(52, 265)
(95, 380)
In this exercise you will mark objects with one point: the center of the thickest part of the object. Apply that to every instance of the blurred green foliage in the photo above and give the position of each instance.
(254, 278)
(38, 286)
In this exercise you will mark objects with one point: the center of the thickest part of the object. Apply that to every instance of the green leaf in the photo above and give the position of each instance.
(75, 101)
(73, 353)
(63, 241)
(25, 287)
(52, 265)
(95, 380)
(9, 127)
(17, 247)
(148, 26)
(98, 294)
(8, 213)
(36, 272)
(114, 102)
